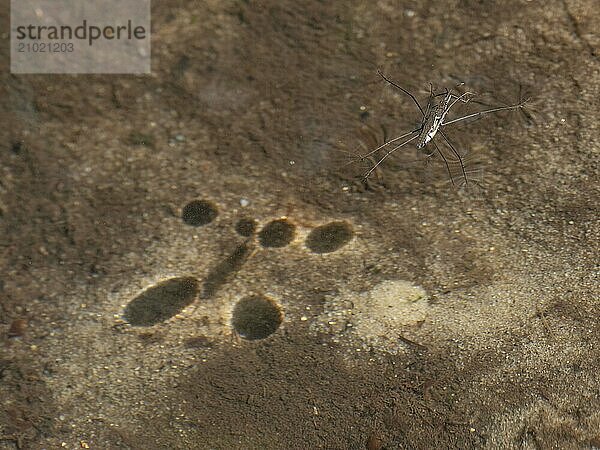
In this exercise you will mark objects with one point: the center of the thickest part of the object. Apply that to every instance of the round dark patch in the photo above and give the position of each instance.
(199, 212)
(256, 317)
(329, 237)
(161, 301)
(17, 147)
(277, 233)
(245, 227)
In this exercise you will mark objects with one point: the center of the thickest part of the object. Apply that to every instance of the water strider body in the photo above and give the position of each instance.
(432, 123)
(434, 115)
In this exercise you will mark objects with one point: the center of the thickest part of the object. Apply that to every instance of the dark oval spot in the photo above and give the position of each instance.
(17, 147)
(256, 317)
(199, 212)
(329, 237)
(277, 233)
(245, 227)
(161, 301)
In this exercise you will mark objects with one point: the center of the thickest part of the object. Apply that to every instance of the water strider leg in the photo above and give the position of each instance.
(462, 166)
(487, 111)
(403, 90)
(445, 162)
(390, 141)
(386, 155)
(460, 98)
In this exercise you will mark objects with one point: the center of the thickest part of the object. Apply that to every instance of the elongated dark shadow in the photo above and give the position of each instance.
(218, 276)
(161, 301)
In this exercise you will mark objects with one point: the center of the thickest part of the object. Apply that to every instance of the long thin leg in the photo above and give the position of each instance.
(390, 141)
(462, 166)
(358, 157)
(446, 91)
(445, 162)
(459, 98)
(386, 155)
(431, 94)
(481, 113)
(429, 102)
(403, 90)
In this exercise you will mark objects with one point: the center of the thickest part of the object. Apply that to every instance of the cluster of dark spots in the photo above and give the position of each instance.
(277, 233)
(199, 212)
(329, 237)
(256, 317)
(161, 301)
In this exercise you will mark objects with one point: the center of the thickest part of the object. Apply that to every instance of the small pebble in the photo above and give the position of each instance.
(17, 328)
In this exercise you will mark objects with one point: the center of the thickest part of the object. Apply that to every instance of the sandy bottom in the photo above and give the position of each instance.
(188, 261)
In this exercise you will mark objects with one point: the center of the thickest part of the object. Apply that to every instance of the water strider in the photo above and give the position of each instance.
(432, 123)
